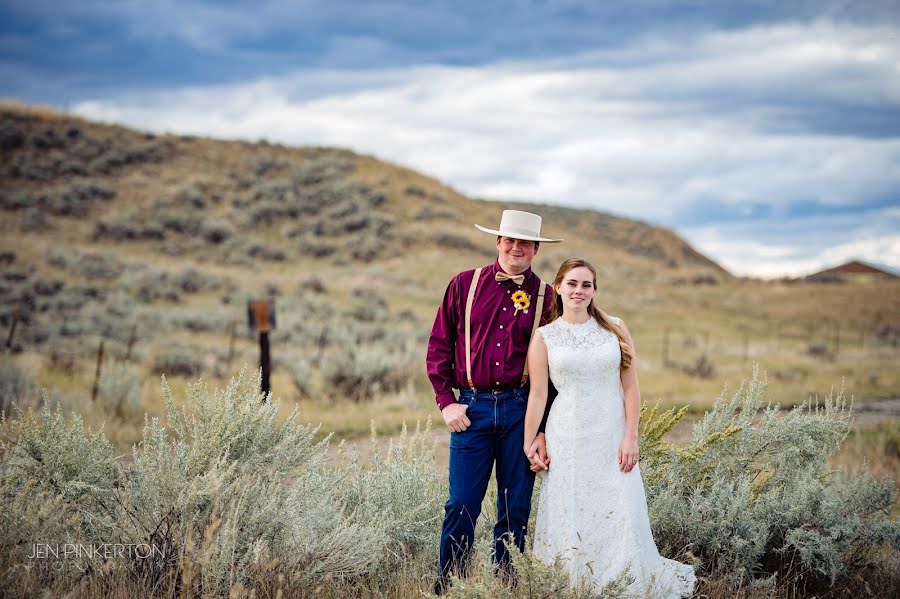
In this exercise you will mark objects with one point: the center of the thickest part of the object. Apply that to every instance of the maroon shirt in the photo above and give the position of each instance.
(500, 335)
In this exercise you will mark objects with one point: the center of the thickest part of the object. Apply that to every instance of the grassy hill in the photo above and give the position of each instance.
(154, 243)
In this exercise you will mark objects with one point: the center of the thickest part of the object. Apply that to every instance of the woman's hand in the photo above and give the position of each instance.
(536, 452)
(628, 455)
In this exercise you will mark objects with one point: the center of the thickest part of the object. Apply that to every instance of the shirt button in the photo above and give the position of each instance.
(498, 345)
(496, 363)
(508, 291)
(501, 326)
(497, 383)
(504, 309)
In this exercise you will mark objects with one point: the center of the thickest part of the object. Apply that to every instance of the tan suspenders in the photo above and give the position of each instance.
(534, 327)
(539, 310)
(469, 301)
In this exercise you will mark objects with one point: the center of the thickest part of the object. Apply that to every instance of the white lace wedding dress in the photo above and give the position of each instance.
(591, 514)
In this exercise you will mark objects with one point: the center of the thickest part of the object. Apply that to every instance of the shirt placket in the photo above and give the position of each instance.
(505, 324)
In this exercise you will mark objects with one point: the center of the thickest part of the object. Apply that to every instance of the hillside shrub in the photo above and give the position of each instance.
(16, 276)
(267, 212)
(74, 326)
(11, 137)
(131, 227)
(456, 242)
(264, 252)
(367, 306)
(232, 251)
(313, 246)
(321, 165)
(263, 165)
(366, 247)
(72, 200)
(35, 221)
(302, 376)
(216, 231)
(56, 484)
(62, 359)
(178, 360)
(45, 151)
(239, 501)
(189, 197)
(359, 370)
(360, 374)
(199, 323)
(121, 155)
(148, 285)
(702, 367)
(119, 390)
(230, 495)
(71, 299)
(752, 496)
(429, 213)
(16, 386)
(47, 287)
(92, 266)
(192, 280)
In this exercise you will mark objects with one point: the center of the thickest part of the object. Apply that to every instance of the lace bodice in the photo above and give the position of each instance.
(584, 364)
(579, 351)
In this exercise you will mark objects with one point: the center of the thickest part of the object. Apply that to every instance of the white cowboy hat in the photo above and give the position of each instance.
(519, 225)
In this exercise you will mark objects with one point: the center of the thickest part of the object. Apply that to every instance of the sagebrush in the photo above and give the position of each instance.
(236, 500)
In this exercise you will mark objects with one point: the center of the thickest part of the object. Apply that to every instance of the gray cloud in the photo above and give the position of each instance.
(775, 247)
(684, 130)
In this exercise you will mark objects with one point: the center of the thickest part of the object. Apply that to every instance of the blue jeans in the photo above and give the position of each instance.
(496, 434)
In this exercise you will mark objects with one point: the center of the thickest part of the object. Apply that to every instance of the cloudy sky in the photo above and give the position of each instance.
(766, 132)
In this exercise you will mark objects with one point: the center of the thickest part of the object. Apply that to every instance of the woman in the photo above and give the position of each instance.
(592, 511)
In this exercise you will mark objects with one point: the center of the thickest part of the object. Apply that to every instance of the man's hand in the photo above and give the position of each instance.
(537, 454)
(455, 416)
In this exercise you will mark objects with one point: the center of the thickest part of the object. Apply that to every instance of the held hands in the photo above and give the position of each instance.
(455, 417)
(628, 455)
(537, 453)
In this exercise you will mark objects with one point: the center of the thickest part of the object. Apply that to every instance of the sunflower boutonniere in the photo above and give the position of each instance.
(522, 301)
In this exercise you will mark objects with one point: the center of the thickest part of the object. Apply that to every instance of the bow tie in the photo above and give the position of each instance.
(502, 276)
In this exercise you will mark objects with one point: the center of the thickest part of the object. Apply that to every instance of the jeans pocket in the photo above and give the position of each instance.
(466, 400)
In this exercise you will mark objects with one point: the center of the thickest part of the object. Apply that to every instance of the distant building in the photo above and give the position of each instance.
(852, 272)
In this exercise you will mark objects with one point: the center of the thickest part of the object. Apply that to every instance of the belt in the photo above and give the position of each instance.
(493, 393)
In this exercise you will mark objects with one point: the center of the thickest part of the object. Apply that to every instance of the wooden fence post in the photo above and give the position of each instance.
(265, 363)
(320, 345)
(97, 375)
(17, 312)
(233, 334)
(262, 317)
(131, 339)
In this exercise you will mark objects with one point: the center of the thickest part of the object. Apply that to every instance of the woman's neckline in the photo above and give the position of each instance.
(577, 324)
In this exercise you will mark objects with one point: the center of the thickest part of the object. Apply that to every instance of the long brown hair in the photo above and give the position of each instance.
(599, 315)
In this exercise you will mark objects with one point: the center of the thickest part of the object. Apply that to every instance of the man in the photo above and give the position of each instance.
(478, 345)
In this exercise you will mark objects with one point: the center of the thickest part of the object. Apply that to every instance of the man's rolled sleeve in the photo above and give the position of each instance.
(440, 359)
